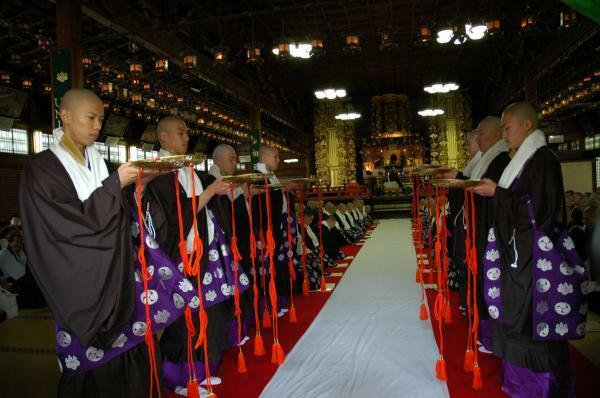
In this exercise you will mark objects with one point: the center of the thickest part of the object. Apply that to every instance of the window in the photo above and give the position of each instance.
(136, 153)
(201, 166)
(209, 163)
(14, 141)
(592, 143)
(102, 148)
(240, 166)
(117, 154)
(41, 141)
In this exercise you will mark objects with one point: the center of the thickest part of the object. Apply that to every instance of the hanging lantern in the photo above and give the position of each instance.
(106, 88)
(318, 47)
(148, 117)
(529, 22)
(190, 61)
(120, 76)
(200, 121)
(139, 115)
(123, 93)
(87, 62)
(568, 18)
(150, 103)
(388, 40)
(160, 93)
(198, 107)
(180, 100)
(47, 88)
(253, 54)
(38, 68)
(424, 34)
(170, 95)
(26, 83)
(493, 26)
(221, 55)
(136, 98)
(43, 44)
(283, 49)
(15, 59)
(5, 77)
(106, 105)
(135, 69)
(147, 86)
(135, 82)
(161, 65)
(352, 43)
(116, 108)
(105, 69)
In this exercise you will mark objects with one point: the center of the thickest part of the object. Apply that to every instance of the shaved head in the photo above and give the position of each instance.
(266, 150)
(472, 146)
(221, 151)
(173, 135)
(493, 123)
(523, 112)
(269, 155)
(225, 158)
(490, 132)
(77, 96)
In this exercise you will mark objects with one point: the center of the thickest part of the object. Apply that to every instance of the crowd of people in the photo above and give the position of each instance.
(535, 271)
(88, 219)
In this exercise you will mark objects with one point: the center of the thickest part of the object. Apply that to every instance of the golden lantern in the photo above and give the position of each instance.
(26, 83)
(15, 59)
(47, 88)
(180, 100)
(105, 69)
(352, 43)
(568, 18)
(135, 82)
(43, 44)
(493, 26)
(170, 95)
(198, 107)
(106, 105)
(135, 69)
(116, 108)
(283, 48)
(106, 88)
(221, 55)
(318, 47)
(120, 76)
(136, 98)
(87, 62)
(5, 77)
(253, 54)
(161, 65)
(139, 115)
(190, 61)
(424, 34)
(150, 103)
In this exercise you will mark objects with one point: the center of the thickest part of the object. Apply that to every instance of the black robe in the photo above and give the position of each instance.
(541, 178)
(161, 197)
(80, 254)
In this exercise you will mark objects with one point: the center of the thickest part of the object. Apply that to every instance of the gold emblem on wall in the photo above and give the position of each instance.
(62, 77)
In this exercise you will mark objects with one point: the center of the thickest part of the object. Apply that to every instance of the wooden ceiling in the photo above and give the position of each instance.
(488, 69)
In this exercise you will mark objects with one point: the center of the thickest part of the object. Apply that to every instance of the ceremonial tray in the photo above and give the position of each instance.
(455, 183)
(169, 162)
(243, 178)
(430, 170)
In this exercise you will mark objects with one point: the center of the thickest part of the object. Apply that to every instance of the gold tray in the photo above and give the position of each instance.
(243, 178)
(169, 162)
(455, 183)
(300, 181)
(430, 170)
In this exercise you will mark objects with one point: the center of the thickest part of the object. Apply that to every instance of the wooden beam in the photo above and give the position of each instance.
(124, 19)
(68, 36)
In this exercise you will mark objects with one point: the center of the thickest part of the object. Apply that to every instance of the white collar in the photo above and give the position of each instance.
(214, 171)
(530, 145)
(312, 236)
(472, 163)
(85, 178)
(273, 180)
(486, 159)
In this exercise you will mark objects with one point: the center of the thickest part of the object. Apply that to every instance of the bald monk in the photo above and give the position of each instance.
(162, 205)
(76, 220)
(532, 368)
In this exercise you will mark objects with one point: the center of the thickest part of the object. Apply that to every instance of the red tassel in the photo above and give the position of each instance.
(423, 315)
(274, 353)
(469, 361)
(431, 276)
(211, 394)
(448, 313)
(293, 318)
(280, 354)
(477, 380)
(259, 346)
(266, 319)
(241, 363)
(440, 370)
(419, 275)
(192, 388)
(305, 287)
(323, 284)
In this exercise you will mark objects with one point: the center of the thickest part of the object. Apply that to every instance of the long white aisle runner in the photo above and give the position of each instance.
(367, 341)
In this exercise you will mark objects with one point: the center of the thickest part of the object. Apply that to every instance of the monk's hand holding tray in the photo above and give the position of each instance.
(169, 162)
(455, 183)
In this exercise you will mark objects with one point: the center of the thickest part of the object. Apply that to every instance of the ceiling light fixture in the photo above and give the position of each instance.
(348, 116)
(476, 31)
(293, 160)
(430, 112)
(444, 35)
(441, 88)
(330, 93)
(296, 50)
